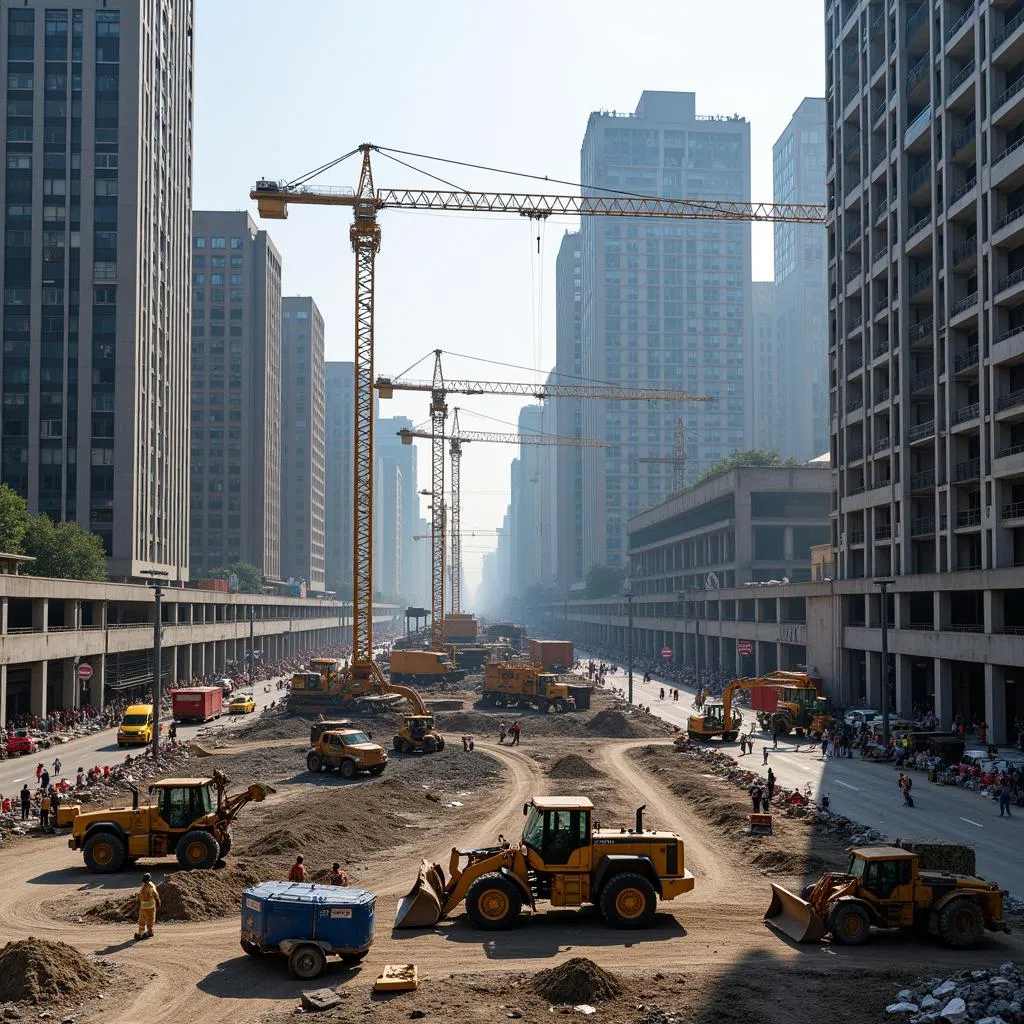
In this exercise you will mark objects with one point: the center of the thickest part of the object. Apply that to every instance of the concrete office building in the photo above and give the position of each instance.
(801, 301)
(338, 475)
(302, 448)
(397, 513)
(664, 303)
(235, 462)
(569, 566)
(769, 408)
(97, 157)
(925, 114)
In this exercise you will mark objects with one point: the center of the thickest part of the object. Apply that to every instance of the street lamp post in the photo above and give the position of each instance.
(252, 645)
(883, 586)
(627, 586)
(158, 629)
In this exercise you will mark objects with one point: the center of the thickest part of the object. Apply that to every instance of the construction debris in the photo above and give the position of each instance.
(572, 766)
(578, 980)
(969, 997)
(38, 971)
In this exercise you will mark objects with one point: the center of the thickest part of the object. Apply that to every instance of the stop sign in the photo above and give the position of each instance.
(666, 652)
(84, 671)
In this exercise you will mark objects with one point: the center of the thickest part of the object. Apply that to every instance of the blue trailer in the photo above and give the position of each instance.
(307, 923)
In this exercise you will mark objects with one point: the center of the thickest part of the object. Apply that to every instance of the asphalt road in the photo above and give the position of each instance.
(866, 791)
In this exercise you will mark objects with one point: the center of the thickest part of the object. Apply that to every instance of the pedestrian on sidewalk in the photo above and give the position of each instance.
(771, 784)
(56, 767)
(824, 745)
(44, 810)
(1004, 799)
(44, 782)
(764, 750)
(39, 772)
(743, 746)
(26, 801)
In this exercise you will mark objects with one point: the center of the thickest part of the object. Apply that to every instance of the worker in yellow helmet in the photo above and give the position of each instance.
(149, 902)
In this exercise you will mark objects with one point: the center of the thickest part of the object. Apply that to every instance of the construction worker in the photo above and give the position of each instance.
(338, 876)
(149, 902)
(297, 872)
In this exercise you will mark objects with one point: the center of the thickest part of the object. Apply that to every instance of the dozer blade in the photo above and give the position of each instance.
(794, 917)
(421, 906)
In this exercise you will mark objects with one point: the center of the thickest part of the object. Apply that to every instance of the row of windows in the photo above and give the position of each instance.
(217, 242)
(199, 262)
(217, 313)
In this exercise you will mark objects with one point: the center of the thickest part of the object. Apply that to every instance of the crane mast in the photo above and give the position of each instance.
(456, 456)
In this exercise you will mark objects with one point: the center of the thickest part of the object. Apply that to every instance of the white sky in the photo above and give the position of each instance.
(282, 87)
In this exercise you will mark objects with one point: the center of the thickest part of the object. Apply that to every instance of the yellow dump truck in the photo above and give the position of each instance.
(511, 685)
(423, 667)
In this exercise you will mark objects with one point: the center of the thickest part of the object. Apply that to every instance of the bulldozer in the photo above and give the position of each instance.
(512, 685)
(560, 858)
(885, 887)
(190, 818)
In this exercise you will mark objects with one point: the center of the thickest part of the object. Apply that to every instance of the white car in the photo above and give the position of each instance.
(862, 716)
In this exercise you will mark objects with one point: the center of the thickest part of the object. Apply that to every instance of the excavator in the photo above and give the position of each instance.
(793, 705)
(720, 719)
(335, 688)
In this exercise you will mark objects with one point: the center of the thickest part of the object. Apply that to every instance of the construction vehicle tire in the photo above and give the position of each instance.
(730, 736)
(377, 769)
(397, 743)
(407, 747)
(306, 961)
(493, 902)
(628, 901)
(849, 923)
(961, 923)
(347, 769)
(782, 725)
(225, 846)
(197, 849)
(250, 948)
(440, 743)
(104, 853)
(313, 763)
(429, 745)
(805, 892)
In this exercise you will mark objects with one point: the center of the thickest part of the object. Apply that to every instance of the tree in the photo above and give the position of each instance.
(63, 551)
(250, 579)
(13, 520)
(604, 581)
(752, 457)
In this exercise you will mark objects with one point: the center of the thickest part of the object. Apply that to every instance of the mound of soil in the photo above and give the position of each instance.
(186, 896)
(787, 862)
(274, 727)
(611, 723)
(572, 766)
(36, 971)
(578, 980)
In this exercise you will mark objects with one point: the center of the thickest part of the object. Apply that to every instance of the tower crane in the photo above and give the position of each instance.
(437, 537)
(677, 460)
(274, 198)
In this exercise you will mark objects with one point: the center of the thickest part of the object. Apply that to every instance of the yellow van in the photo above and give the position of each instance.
(136, 726)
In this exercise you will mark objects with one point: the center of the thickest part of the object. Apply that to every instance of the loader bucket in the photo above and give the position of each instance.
(421, 906)
(793, 916)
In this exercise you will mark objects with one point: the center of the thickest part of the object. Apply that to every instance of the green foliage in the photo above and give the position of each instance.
(13, 520)
(604, 581)
(63, 551)
(250, 579)
(753, 457)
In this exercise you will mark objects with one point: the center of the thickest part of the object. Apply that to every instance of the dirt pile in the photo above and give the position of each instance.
(273, 727)
(611, 723)
(572, 766)
(578, 980)
(788, 862)
(36, 971)
(186, 896)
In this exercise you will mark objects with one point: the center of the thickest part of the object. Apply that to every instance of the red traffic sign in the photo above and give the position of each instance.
(744, 648)
(85, 671)
(666, 652)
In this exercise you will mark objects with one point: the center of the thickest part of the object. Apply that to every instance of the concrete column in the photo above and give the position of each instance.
(40, 614)
(944, 693)
(995, 703)
(198, 660)
(97, 685)
(104, 609)
(37, 689)
(993, 604)
(904, 694)
(68, 684)
(211, 656)
(3, 686)
(76, 614)
(874, 679)
(787, 543)
(3, 616)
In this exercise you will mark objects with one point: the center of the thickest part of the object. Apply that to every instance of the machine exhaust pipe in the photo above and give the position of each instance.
(135, 798)
(640, 818)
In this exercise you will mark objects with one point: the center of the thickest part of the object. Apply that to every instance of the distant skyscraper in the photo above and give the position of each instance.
(801, 301)
(340, 388)
(236, 395)
(95, 266)
(397, 513)
(568, 413)
(770, 411)
(664, 303)
(302, 450)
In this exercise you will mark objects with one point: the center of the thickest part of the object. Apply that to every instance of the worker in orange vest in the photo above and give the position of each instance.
(149, 902)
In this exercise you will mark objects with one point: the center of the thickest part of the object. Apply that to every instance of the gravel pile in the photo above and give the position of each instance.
(572, 766)
(35, 971)
(578, 980)
(968, 997)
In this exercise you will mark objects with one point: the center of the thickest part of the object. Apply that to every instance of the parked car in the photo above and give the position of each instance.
(21, 742)
(859, 716)
(241, 705)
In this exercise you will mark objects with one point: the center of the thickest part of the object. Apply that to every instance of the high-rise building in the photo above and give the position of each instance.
(235, 461)
(925, 114)
(397, 513)
(338, 510)
(302, 448)
(665, 303)
(568, 413)
(769, 409)
(95, 264)
(801, 302)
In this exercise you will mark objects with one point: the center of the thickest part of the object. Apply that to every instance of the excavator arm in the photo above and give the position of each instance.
(229, 806)
(419, 708)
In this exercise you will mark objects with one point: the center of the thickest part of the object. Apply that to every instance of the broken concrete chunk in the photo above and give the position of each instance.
(901, 1007)
(929, 1003)
(318, 1000)
(945, 989)
(955, 1011)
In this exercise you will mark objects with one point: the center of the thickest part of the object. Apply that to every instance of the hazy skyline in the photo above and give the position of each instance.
(487, 85)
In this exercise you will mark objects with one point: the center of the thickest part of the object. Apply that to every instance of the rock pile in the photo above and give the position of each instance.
(35, 971)
(578, 980)
(970, 997)
(572, 766)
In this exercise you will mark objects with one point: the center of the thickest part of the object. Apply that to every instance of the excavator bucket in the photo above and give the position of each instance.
(421, 906)
(793, 916)
(258, 793)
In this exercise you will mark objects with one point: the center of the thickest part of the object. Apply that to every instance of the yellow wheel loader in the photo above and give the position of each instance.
(560, 858)
(884, 887)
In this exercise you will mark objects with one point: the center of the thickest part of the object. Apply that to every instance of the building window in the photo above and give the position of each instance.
(199, 241)
(217, 242)
(236, 243)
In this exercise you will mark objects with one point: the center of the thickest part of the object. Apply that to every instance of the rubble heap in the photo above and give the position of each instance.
(969, 997)
(35, 971)
(578, 980)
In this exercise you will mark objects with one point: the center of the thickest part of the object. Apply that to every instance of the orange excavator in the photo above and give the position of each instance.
(719, 718)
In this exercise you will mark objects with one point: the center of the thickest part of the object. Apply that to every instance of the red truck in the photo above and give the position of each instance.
(197, 703)
(552, 654)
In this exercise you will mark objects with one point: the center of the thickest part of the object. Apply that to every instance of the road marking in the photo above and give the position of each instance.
(969, 822)
(839, 782)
